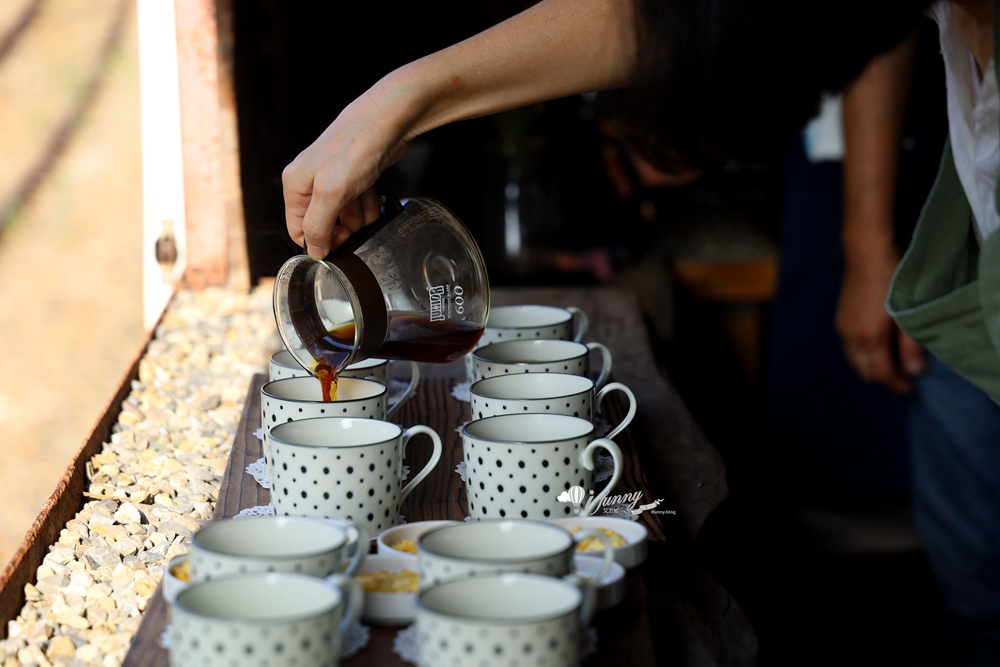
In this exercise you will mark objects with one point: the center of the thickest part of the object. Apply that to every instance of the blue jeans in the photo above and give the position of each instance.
(955, 459)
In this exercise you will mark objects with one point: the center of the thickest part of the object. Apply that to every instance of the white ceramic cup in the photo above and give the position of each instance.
(499, 620)
(517, 466)
(283, 365)
(342, 468)
(272, 544)
(546, 393)
(530, 322)
(494, 547)
(539, 356)
(269, 618)
(292, 399)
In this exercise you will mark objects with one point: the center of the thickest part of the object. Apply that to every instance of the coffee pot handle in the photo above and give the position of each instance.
(391, 207)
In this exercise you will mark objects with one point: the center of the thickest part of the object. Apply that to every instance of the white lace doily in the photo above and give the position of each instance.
(258, 470)
(259, 510)
(396, 390)
(601, 428)
(404, 644)
(461, 392)
(259, 433)
(357, 638)
(604, 467)
(460, 469)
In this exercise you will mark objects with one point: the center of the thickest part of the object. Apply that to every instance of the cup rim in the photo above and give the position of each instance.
(338, 600)
(536, 342)
(370, 362)
(587, 434)
(522, 620)
(383, 391)
(421, 545)
(560, 376)
(286, 443)
(568, 317)
(260, 519)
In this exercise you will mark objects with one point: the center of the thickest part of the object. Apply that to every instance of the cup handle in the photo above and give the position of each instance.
(582, 323)
(354, 600)
(360, 551)
(587, 461)
(605, 362)
(411, 390)
(435, 457)
(609, 556)
(631, 406)
(589, 605)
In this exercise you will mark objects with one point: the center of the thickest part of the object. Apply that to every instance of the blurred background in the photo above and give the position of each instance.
(738, 274)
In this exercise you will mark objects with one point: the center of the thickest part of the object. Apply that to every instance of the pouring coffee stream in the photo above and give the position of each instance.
(412, 285)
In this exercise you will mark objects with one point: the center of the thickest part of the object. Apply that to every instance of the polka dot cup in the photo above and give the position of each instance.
(539, 356)
(494, 547)
(546, 393)
(292, 399)
(500, 620)
(263, 619)
(283, 365)
(338, 468)
(272, 544)
(529, 322)
(517, 466)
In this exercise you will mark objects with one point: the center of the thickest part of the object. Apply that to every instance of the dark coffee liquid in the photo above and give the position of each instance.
(410, 336)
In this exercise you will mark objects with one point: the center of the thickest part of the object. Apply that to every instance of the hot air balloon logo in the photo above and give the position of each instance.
(574, 495)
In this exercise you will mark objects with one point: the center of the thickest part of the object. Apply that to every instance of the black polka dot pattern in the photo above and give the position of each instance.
(357, 483)
(528, 491)
(455, 642)
(196, 640)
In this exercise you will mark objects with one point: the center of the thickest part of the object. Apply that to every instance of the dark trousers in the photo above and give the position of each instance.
(955, 459)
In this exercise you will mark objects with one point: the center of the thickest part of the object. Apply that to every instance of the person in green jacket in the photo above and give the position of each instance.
(701, 84)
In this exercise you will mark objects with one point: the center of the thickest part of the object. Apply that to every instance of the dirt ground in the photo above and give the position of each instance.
(70, 265)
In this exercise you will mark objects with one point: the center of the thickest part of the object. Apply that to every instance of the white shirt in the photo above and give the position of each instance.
(973, 122)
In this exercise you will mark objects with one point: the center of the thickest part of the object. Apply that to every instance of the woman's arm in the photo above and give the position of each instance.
(874, 109)
(555, 49)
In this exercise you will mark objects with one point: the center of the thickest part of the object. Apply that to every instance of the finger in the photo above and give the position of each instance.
(297, 191)
(371, 205)
(911, 355)
(885, 371)
(353, 216)
(319, 227)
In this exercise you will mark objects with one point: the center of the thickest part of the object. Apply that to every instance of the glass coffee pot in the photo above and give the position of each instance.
(412, 285)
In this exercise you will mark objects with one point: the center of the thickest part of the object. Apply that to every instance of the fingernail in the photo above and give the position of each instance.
(915, 366)
(315, 251)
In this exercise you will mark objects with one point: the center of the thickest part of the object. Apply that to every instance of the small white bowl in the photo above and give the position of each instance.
(171, 584)
(407, 531)
(611, 591)
(634, 533)
(389, 608)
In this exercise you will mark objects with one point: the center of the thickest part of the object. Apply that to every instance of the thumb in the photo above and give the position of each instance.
(911, 355)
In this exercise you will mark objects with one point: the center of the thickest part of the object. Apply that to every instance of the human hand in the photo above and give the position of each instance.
(866, 328)
(329, 187)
